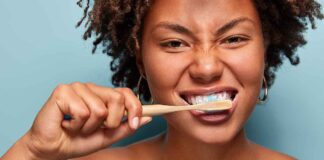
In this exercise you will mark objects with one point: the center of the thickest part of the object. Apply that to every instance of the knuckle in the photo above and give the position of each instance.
(100, 112)
(136, 109)
(90, 84)
(97, 103)
(108, 94)
(118, 96)
(83, 113)
(136, 106)
(61, 89)
(126, 90)
(76, 84)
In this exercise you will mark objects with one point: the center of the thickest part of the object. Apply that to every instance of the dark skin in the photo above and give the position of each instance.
(192, 50)
(191, 45)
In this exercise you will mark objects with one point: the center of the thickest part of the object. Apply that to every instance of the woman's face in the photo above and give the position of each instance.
(195, 51)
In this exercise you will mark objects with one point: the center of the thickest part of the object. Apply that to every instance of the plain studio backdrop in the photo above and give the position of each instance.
(41, 48)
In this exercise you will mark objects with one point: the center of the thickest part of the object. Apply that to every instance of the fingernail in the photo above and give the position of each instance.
(135, 122)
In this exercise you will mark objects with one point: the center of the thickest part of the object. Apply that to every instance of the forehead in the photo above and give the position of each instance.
(200, 12)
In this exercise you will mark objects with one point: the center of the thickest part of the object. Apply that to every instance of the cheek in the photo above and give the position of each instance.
(248, 65)
(163, 71)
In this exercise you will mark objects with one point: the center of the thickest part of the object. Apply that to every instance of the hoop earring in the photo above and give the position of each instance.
(138, 89)
(264, 98)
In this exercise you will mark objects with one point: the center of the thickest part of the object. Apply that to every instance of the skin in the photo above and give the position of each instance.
(192, 46)
(204, 60)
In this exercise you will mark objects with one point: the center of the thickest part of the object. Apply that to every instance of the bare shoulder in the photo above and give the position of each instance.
(143, 150)
(265, 154)
(120, 153)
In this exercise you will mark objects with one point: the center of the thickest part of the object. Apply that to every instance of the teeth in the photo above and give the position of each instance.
(199, 99)
(209, 98)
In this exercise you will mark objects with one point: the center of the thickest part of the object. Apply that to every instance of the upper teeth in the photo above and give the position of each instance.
(198, 99)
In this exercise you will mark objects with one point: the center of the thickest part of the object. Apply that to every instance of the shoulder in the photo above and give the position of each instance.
(141, 150)
(120, 153)
(268, 154)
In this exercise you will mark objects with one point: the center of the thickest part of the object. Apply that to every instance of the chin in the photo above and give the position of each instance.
(194, 130)
(214, 135)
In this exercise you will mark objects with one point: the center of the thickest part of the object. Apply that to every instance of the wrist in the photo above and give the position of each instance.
(31, 153)
(20, 150)
(35, 150)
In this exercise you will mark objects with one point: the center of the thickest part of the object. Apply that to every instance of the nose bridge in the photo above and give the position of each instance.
(207, 65)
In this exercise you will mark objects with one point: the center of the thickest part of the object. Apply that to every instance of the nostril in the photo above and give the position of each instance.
(205, 78)
(206, 71)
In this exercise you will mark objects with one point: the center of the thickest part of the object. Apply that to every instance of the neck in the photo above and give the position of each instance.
(178, 145)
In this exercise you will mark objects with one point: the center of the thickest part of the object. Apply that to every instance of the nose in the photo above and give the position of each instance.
(207, 67)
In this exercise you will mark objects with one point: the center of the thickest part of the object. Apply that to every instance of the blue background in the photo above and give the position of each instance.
(40, 48)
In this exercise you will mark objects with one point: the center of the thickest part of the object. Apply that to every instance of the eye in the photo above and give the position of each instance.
(235, 41)
(172, 44)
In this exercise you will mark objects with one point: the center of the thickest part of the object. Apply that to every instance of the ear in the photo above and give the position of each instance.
(139, 62)
(266, 43)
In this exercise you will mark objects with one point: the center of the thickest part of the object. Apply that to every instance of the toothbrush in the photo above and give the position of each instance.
(158, 109)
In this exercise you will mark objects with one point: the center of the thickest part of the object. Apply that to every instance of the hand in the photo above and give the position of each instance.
(96, 120)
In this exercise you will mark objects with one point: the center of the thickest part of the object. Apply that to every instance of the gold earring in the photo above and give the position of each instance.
(264, 98)
(138, 89)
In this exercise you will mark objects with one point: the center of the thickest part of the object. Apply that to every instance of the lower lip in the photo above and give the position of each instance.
(215, 118)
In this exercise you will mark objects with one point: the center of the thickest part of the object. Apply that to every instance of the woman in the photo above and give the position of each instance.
(179, 53)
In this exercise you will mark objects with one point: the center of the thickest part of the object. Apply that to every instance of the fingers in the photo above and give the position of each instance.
(98, 110)
(71, 104)
(117, 100)
(90, 105)
(133, 106)
(116, 109)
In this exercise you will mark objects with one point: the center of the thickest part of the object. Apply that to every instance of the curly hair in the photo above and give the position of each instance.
(117, 25)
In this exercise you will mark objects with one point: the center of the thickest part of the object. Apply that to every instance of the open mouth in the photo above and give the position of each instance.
(193, 99)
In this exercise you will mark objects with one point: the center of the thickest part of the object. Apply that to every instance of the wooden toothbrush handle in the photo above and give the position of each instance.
(155, 110)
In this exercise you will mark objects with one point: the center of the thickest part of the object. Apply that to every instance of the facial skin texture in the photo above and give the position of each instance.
(203, 56)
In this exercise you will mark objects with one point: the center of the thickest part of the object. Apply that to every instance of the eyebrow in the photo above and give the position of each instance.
(183, 30)
(231, 24)
(174, 27)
